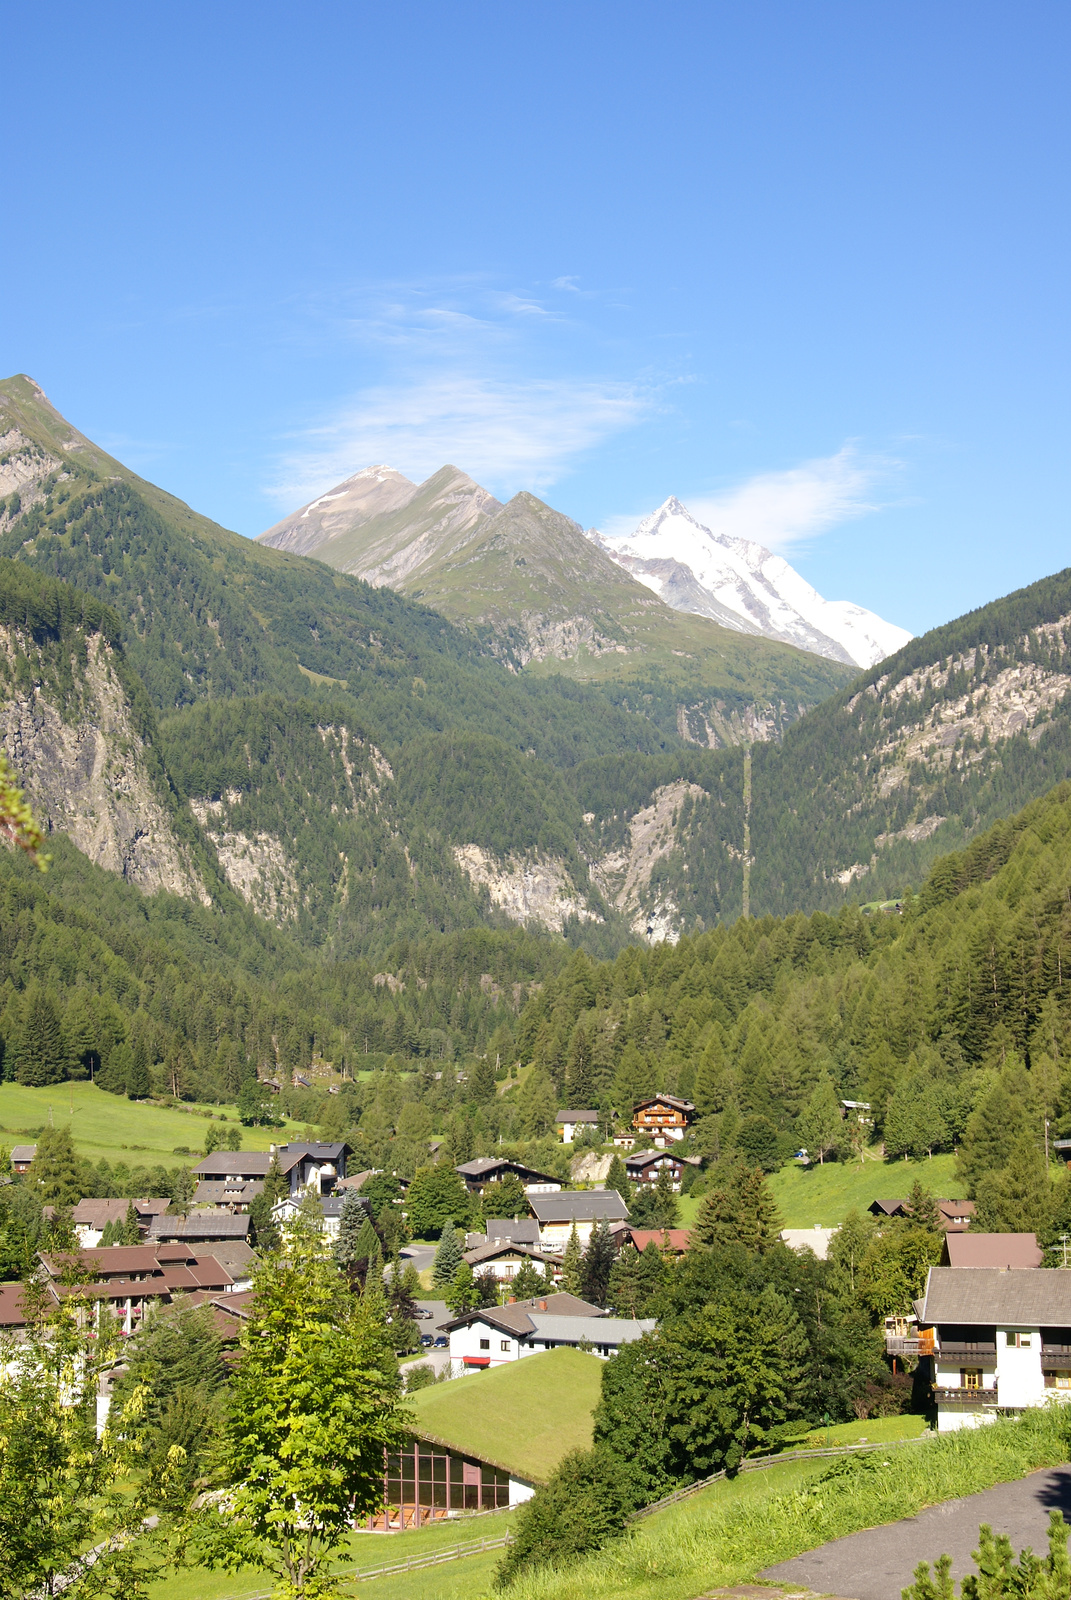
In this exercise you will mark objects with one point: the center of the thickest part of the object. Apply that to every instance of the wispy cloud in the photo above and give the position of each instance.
(506, 435)
(782, 510)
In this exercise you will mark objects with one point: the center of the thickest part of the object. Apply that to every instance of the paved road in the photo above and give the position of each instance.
(878, 1564)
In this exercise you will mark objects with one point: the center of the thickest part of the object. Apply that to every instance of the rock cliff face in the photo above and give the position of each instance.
(83, 764)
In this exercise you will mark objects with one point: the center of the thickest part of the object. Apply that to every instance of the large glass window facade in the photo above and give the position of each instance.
(426, 1482)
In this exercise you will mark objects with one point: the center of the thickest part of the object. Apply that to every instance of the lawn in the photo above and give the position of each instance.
(523, 1416)
(730, 1532)
(823, 1195)
(109, 1125)
(366, 1550)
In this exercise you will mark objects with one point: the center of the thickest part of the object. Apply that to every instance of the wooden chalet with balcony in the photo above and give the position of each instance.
(663, 1118)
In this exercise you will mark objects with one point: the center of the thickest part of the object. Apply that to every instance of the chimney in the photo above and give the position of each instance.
(512, 1300)
(542, 1305)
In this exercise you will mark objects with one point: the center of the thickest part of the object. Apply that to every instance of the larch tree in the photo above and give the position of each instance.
(314, 1406)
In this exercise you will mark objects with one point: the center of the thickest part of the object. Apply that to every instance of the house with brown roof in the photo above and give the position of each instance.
(483, 1170)
(503, 1259)
(130, 1278)
(664, 1118)
(997, 1341)
(558, 1213)
(667, 1241)
(954, 1216)
(1005, 1252)
(571, 1124)
(21, 1156)
(91, 1217)
(499, 1334)
(644, 1166)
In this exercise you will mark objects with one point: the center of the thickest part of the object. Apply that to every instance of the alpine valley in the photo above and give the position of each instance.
(410, 711)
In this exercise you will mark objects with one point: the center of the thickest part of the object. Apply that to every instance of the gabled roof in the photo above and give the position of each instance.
(1010, 1251)
(524, 1231)
(200, 1225)
(496, 1248)
(227, 1192)
(234, 1164)
(23, 1152)
(310, 1150)
(486, 1166)
(12, 1314)
(561, 1304)
(646, 1158)
(601, 1330)
(984, 1296)
(98, 1213)
(677, 1239)
(663, 1100)
(579, 1205)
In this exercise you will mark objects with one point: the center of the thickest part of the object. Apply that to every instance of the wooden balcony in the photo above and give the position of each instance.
(922, 1344)
(960, 1399)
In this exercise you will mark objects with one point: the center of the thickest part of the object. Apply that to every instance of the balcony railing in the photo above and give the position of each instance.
(967, 1399)
(954, 1349)
(922, 1344)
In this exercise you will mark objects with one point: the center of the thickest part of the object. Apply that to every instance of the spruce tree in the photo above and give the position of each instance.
(528, 1282)
(40, 1055)
(597, 1264)
(571, 1262)
(667, 1207)
(448, 1257)
(923, 1207)
(739, 1209)
(265, 1230)
(350, 1227)
(137, 1079)
(503, 1199)
(56, 1172)
(131, 1233)
(617, 1178)
(1019, 1198)
(636, 1280)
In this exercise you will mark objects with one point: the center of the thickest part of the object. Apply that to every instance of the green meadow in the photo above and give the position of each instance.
(109, 1126)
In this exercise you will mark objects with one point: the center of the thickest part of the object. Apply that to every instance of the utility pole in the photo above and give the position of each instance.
(1046, 1121)
(746, 910)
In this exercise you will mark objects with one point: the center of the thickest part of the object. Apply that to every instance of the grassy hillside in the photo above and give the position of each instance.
(523, 1416)
(116, 1129)
(825, 1194)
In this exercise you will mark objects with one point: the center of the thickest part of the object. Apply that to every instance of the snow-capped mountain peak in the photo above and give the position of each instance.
(744, 586)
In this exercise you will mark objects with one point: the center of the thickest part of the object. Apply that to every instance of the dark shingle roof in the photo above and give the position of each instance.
(583, 1205)
(234, 1164)
(200, 1225)
(526, 1231)
(985, 1295)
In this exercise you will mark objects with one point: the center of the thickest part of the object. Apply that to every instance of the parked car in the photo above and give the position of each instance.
(442, 1342)
(426, 1340)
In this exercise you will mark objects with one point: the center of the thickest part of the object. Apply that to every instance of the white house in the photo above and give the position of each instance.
(499, 1334)
(285, 1210)
(998, 1340)
(556, 1214)
(571, 1124)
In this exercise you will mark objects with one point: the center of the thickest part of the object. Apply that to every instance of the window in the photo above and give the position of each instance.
(1059, 1380)
(485, 1344)
(504, 1345)
(970, 1378)
(1024, 1341)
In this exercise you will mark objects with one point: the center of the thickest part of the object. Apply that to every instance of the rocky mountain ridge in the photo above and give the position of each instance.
(743, 585)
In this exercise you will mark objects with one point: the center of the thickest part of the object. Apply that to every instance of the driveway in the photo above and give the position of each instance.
(878, 1564)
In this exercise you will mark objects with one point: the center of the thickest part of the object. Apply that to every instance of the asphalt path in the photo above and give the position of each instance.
(879, 1563)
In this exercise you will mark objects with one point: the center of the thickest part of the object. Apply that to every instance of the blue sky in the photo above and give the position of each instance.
(804, 266)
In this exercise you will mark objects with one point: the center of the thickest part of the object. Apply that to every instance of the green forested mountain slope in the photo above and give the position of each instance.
(958, 1008)
(207, 613)
(525, 579)
(916, 756)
